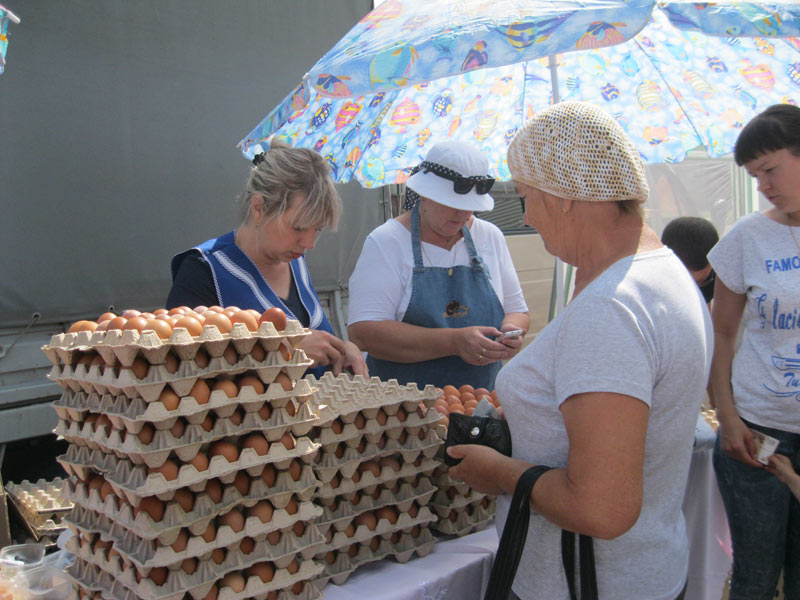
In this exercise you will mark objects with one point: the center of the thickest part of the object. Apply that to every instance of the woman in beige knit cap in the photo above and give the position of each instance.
(608, 393)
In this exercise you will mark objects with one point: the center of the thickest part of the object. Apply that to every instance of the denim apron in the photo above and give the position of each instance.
(442, 297)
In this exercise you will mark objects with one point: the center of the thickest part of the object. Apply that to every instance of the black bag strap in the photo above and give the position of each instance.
(588, 573)
(512, 541)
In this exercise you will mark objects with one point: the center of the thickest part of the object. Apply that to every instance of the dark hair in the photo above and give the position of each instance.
(690, 238)
(775, 128)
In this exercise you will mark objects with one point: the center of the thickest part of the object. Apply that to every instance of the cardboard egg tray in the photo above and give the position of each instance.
(340, 564)
(134, 482)
(115, 380)
(119, 581)
(125, 346)
(132, 413)
(368, 482)
(41, 504)
(175, 518)
(124, 444)
(146, 554)
(466, 518)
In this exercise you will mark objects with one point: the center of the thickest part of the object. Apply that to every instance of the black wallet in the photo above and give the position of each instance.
(486, 431)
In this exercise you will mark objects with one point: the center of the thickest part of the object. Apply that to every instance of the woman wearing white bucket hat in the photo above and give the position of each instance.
(434, 286)
(609, 392)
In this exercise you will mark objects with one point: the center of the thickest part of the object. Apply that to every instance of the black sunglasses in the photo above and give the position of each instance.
(461, 184)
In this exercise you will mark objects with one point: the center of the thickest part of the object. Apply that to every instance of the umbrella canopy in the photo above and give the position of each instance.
(412, 73)
(5, 16)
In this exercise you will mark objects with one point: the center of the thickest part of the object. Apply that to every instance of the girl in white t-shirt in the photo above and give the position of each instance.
(757, 387)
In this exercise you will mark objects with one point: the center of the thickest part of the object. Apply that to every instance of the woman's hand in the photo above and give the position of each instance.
(737, 440)
(485, 469)
(353, 360)
(475, 345)
(781, 466)
(323, 348)
(514, 345)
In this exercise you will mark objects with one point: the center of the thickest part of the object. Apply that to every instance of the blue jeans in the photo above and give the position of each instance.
(764, 520)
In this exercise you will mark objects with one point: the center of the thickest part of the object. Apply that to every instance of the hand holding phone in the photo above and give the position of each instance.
(508, 334)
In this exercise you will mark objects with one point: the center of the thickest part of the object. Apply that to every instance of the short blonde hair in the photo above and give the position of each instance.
(575, 150)
(283, 172)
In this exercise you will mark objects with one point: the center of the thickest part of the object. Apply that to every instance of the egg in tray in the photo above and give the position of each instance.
(461, 510)
(189, 457)
(374, 467)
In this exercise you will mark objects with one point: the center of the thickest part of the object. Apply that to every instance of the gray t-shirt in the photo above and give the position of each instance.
(642, 329)
(761, 258)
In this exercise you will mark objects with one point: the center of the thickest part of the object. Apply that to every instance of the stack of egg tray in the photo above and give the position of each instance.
(195, 533)
(461, 509)
(42, 506)
(374, 466)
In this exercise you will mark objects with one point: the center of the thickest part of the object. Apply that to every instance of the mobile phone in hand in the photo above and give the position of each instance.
(508, 334)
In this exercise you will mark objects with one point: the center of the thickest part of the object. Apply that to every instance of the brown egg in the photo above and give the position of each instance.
(178, 428)
(287, 439)
(390, 461)
(262, 511)
(235, 581)
(236, 417)
(208, 423)
(257, 442)
(337, 426)
(452, 399)
(210, 533)
(368, 519)
(359, 421)
(299, 528)
(371, 466)
(201, 359)
(284, 381)
(292, 506)
(140, 367)
(189, 565)
(184, 498)
(219, 320)
(152, 506)
(158, 575)
(468, 397)
(242, 483)
(402, 437)
(381, 417)
(481, 392)
(286, 351)
(180, 543)
(130, 313)
(137, 323)
(146, 433)
(169, 470)
(263, 570)
(102, 325)
(218, 555)
(117, 323)
(276, 316)
(171, 363)
(226, 449)
(200, 461)
(293, 567)
(336, 481)
(401, 414)
(190, 324)
(161, 328)
(291, 407)
(233, 519)
(252, 381)
(387, 512)
(457, 408)
(269, 474)
(247, 544)
(106, 316)
(169, 398)
(295, 469)
(212, 594)
(230, 355)
(265, 411)
(340, 450)
(415, 531)
(274, 537)
(106, 490)
(178, 310)
(330, 557)
(258, 353)
(296, 589)
(214, 490)
(249, 320)
(352, 550)
(452, 516)
(227, 386)
(94, 482)
(82, 326)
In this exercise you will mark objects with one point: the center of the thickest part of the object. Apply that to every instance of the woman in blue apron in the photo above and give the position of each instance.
(289, 200)
(434, 287)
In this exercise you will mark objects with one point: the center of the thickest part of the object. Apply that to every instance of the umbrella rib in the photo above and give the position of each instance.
(669, 88)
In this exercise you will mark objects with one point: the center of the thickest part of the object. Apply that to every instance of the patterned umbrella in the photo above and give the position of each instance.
(412, 72)
(5, 16)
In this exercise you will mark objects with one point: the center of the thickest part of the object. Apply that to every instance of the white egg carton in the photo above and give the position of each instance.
(115, 381)
(340, 517)
(401, 550)
(41, 503)
(175, 518)
(125, 346)
(164, 443)
(132, 413)
(134, 482)
(464, 519)
(146, 554)
(119, 581)
(408, 472)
